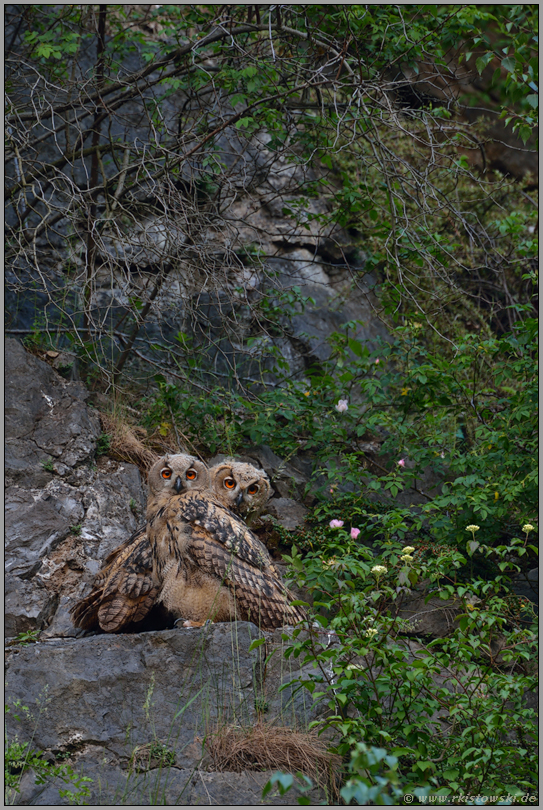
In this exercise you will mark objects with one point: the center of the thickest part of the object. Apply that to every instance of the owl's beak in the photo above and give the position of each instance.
(178, 486)
(239, 499)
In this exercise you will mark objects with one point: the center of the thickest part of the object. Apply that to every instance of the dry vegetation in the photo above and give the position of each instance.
(266, 747)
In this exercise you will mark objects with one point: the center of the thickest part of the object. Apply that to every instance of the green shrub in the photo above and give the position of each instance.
(452, 710)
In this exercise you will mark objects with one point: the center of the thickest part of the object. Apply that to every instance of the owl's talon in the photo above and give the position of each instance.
(190, 623)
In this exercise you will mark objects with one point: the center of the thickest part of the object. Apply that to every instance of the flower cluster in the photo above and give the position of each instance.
(528, 528)
(379, 569)
(407, 558)
(408, 549)
(472, 528)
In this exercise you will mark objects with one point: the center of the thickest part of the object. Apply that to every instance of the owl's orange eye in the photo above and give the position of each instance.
(253, 489)
(191, 475)
(229, 483)
(166, 473)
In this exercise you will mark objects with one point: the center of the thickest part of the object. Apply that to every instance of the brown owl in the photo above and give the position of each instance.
(209, 564)
(241, 487)
(124, 591)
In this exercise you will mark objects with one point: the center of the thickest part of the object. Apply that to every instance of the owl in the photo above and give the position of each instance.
(240, 487)
(209, 565)
(124, 591)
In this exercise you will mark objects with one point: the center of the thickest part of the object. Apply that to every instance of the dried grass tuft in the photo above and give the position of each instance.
(265, 747)
(127, 442)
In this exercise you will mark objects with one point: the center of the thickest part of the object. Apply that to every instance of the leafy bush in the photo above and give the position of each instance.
(452, 710)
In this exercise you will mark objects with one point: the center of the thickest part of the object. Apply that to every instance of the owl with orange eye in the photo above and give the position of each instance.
(124, 591)
(207, 563)
(194, 557)
(240, 487)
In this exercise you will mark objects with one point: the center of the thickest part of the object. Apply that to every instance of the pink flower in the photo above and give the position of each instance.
(355, 533)
(342, 406)
(336, 524)
(401, 462)
(442, 455)
(377, 361)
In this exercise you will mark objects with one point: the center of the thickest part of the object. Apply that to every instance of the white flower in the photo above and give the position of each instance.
(408, 549)
(472, 528)
(407, 558)
(342, 406)
(379, 569)
(371, 631)
(528, 528)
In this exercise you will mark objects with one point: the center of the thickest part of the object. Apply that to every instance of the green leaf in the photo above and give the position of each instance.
(533, 100)
(483, 61)
(509, 64)
(258, 642)
(243, 122)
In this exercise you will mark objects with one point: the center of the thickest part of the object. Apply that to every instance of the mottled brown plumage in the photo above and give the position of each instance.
(124, 591)
(210, 565)
(207, 563)
(240, 487)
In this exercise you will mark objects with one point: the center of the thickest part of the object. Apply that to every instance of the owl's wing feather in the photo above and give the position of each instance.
(202, 510)
(260, 593)
(222, 545)
(123, 591)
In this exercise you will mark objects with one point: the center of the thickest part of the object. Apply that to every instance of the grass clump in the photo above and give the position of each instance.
(264, 747)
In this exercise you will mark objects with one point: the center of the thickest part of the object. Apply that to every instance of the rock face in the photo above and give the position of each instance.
(131, 712)
(102, 697)
(46, 420)
(105, 697)
(64, 511)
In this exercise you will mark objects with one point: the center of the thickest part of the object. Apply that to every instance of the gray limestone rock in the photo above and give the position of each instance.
(119, 691)
(288, 513)
(36, 522)
(242, 789)
(433, 617)
(24, 605)
(100, 698)
(46, 418)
